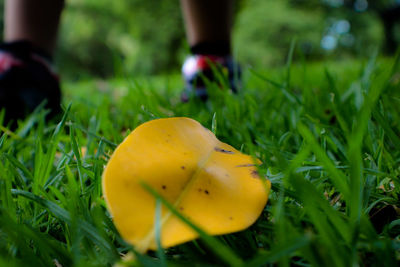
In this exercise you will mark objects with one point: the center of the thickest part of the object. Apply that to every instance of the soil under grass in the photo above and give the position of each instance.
(328, 135)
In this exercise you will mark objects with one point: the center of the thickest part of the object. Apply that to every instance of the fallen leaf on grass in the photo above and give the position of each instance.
(211, 183)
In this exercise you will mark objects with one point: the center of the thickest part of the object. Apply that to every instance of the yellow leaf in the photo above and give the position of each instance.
(211, 183)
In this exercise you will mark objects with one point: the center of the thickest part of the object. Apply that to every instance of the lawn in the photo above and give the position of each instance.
(328, 135)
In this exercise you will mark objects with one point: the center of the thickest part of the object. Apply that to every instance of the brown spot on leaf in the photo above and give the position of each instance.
(199, 189)
(164, 187)
(218, 149)
(206, 191)
(231, 218)
(181, 208)
(182, 167)
(245, 165)
(254, 174)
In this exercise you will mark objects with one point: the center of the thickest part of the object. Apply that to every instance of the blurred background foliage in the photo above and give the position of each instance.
(148, 37)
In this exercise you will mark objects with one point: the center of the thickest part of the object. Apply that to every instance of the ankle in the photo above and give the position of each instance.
(217, 48)
(24, 49)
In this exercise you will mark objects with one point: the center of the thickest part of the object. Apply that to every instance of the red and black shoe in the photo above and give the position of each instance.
(199, 70)
(26, 80)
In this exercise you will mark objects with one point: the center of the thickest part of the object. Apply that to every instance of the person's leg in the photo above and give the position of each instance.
(35, 21)
(208, 29)
(26, 75)
(208, 25)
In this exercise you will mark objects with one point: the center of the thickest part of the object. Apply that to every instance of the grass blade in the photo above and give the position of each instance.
(217, 247)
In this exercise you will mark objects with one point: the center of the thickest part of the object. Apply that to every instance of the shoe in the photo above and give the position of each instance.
(26, 80)
(198, 70)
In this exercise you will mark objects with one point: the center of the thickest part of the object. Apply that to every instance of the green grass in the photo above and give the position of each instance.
(328, 135)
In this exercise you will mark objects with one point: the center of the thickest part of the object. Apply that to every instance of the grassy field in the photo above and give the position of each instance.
(328, 135)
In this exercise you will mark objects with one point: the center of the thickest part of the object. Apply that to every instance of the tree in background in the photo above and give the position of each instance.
(387, 11)
(146, 37)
